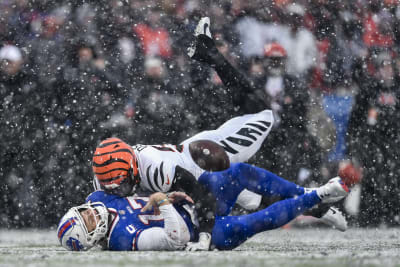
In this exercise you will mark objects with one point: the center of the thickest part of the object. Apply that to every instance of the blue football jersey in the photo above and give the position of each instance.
(129, 221)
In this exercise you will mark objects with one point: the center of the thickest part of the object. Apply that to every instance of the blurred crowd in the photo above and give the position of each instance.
(75, 72)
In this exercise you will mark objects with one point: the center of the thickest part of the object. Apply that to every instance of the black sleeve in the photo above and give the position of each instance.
(205, 202)
(243, 89)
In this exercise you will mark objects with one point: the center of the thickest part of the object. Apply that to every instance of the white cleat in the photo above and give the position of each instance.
(333, 191)
(335, 218)
(203, 27)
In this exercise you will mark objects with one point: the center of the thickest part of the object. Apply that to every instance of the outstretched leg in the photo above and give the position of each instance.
(204, 50)
(231, 231)
(227, 185)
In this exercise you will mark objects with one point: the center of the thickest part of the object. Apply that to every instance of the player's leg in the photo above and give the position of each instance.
(241, 136)
(227, 185)
(204, 50)
(231, 231)
(264, 182)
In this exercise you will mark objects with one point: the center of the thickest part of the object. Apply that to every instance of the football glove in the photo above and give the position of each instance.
(202, 245)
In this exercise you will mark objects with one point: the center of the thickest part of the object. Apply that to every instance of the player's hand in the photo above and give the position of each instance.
(150, 206)
(202, 245)
(175, 197)
(156, 200)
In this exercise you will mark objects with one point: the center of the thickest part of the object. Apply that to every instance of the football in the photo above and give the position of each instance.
(209, 155)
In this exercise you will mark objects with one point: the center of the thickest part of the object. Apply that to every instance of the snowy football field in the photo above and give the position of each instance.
(283, 247)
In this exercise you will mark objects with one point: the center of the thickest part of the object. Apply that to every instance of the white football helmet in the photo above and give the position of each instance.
(72, 231)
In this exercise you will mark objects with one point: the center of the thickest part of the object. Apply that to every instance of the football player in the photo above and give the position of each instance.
(166, 222)
(121, 169)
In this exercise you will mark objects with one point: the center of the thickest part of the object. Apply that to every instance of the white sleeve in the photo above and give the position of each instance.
(156, 169)
(173, 236)
(242, 136)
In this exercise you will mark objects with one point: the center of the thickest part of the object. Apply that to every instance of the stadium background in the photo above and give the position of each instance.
(75, 72)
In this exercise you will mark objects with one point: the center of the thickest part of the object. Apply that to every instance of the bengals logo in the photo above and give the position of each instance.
(74, 244)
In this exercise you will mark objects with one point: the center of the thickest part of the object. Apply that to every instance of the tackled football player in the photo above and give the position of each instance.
(166, 222)
(123, 170)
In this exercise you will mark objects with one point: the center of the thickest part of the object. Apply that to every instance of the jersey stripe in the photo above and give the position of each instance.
(134, 243)
(266, 123)
(259, 127)
(149, 179)
(162, 172)
(155, 178)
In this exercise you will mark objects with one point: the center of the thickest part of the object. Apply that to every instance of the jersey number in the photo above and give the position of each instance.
(138, 203)
(130, 228)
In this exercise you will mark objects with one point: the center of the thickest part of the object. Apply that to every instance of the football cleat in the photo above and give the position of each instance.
(203, 27)
(333, 191)
(318, 210)
(204, 46)
(328, 215)
(335, 218)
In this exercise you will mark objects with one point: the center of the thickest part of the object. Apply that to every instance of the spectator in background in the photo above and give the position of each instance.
(373, 140)
(257, 26)
(47, 51)
(299, 44)
(110, 82)
(290, 150)
(154, 37)
(216, 102)
(21, 138)
(160, 106)
(378, 25)
(16, 20)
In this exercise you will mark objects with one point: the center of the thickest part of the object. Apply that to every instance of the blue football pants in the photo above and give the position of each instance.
(231, 231)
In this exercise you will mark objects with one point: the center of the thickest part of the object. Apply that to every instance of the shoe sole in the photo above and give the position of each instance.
(203, 27)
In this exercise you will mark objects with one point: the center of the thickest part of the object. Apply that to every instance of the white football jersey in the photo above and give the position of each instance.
(241, 137)
(157, 163)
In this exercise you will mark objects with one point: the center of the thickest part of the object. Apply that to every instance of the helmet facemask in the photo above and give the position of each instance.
(72, 230)
(100, 213)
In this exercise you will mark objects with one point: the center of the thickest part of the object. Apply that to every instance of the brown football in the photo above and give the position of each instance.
(209, 155)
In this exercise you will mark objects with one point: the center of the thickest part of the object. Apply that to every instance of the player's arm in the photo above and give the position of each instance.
(205, 203)
(175, 233)
(242, 89)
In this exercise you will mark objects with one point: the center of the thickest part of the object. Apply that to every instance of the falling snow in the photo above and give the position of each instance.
(75, 72)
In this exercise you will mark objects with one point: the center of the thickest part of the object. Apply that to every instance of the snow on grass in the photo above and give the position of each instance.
(293, 247)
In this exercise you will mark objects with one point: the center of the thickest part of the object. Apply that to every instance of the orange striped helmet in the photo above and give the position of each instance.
(114, 165)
